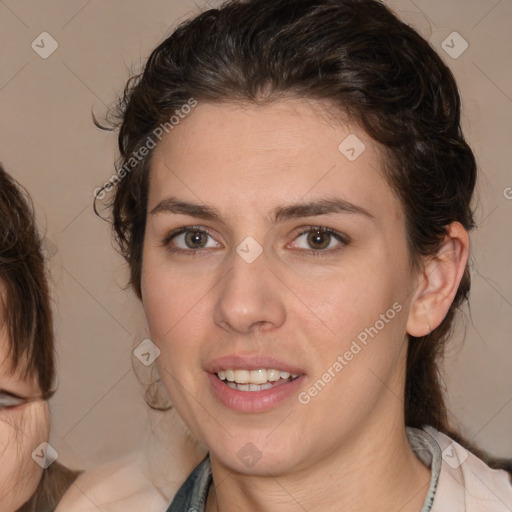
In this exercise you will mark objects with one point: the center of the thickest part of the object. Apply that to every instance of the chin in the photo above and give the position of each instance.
(251, 460)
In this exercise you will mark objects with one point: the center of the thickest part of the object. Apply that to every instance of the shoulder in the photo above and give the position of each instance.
(119, 485)
(146, 479)
(466, 482)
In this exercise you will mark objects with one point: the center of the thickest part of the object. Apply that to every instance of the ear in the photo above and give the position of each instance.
(438, 282)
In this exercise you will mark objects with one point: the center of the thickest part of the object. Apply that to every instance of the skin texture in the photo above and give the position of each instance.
(22, 429)
(346, 449)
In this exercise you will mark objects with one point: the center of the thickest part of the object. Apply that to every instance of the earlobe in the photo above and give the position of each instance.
(438, 282)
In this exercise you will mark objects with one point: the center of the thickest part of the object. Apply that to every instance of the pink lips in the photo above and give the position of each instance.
(252, 401)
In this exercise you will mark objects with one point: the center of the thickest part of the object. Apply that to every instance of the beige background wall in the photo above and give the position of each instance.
(48, 142)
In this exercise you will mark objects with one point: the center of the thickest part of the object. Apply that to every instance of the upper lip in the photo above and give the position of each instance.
(253, 362)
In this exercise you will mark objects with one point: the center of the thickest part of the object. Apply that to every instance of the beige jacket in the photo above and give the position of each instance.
(465, 483)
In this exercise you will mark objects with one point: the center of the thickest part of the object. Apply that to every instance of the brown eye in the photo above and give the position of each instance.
(319, 239)
(190, 239)
(196, 239)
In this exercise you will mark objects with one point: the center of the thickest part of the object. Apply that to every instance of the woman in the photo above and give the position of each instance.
(30, 478)
(294, 200)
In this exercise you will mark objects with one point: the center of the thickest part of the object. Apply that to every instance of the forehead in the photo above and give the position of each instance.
(268, 154)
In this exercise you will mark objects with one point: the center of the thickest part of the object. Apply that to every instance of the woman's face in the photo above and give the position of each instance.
(264, 290)
(22, 429)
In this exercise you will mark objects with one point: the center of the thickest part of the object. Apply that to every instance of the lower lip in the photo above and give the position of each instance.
(253, 401)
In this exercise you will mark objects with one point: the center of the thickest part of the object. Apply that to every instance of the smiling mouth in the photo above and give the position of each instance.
(254, 380)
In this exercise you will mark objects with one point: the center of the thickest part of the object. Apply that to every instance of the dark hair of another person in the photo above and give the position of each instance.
(27, 314)
(25, 308)
(375, 71)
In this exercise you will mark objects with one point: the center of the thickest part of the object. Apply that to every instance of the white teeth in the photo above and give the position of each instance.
(258, 376)
(250, 387)
(273, 375)
(254, 377)
(242, 376)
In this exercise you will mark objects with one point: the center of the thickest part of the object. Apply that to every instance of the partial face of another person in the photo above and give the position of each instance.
(22, 429)
(249, 285)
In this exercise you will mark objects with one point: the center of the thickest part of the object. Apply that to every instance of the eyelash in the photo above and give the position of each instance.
(313, 252)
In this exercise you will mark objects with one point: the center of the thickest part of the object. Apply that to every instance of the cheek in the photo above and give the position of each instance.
(159, 304)
(8, 443)
(21, 431)
(156, 299)
(171, 299)
(164, 299)
(348, 302)
(366, 319)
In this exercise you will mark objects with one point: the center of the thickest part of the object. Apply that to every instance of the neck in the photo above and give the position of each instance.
(381, 474)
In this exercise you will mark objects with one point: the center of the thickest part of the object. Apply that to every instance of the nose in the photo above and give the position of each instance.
(250, 298)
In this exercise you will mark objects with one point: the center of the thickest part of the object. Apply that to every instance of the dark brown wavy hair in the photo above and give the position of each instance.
(374, 70)
(25, 310)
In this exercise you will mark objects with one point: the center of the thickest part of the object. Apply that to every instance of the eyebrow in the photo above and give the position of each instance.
(292, 211)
